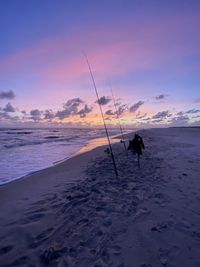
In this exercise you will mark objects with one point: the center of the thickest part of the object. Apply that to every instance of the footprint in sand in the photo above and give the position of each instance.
(32, 218)
(166, 253)
(141, 213)
(116, 250)
(51, 254)
(6, 249)
(57, 205)
(160, 227)
(160, 199)
(50, 196)
(22, 261)
(34, 211)
(196, 235)
(44, 234)
(105, 256)
(40, 202)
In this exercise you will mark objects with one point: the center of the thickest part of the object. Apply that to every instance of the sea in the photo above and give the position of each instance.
(25, 151)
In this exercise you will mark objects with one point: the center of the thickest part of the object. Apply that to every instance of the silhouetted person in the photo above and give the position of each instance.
(137, 145)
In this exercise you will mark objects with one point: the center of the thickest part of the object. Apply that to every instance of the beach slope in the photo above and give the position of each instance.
(79, 213)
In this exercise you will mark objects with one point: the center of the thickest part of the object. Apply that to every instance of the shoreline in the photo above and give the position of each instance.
(32, 186)
(89, 146)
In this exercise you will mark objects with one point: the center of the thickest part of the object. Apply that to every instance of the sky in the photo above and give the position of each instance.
(147, 52)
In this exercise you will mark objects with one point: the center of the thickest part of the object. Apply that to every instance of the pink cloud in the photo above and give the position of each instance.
(112, 51)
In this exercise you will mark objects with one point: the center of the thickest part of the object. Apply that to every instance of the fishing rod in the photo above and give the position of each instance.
(138, 158)
(117, 113)
(97, 95)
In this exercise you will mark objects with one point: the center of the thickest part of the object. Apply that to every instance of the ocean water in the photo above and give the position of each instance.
(23, 151)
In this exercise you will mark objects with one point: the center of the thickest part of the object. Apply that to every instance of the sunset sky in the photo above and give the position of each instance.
(148, 51)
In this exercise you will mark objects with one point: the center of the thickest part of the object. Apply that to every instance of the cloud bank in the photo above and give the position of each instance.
(104, 100)
(75, 109)
(136, 106)
(7, 95)
(161, 97)
(9, 108)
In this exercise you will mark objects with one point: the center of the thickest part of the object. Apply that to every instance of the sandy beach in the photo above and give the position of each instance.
(78, 213)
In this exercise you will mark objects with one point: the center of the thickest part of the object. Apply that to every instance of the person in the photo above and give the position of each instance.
(136, 146)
